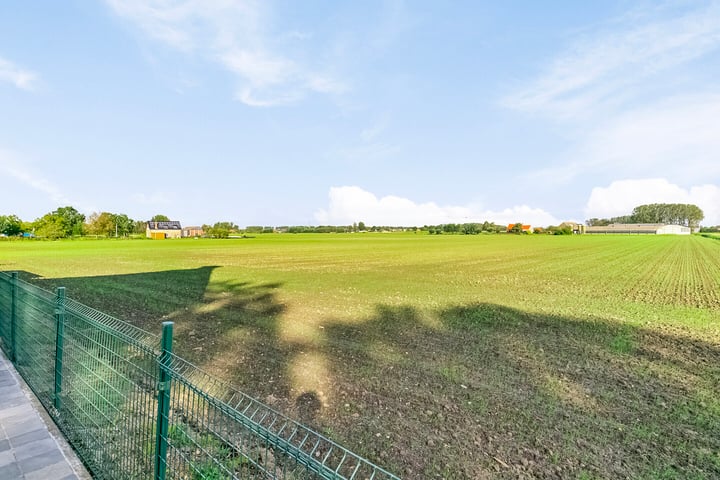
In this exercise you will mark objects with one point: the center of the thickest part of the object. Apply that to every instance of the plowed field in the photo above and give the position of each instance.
(441, 356)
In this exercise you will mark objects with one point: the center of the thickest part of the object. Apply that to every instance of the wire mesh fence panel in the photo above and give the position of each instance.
(35, 340)
(5, 311)
(133, 410)
(219, 432)
(108, 399)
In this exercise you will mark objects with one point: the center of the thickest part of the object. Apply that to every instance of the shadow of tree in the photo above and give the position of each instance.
(493, 391)
(227, 327)
(469, 391)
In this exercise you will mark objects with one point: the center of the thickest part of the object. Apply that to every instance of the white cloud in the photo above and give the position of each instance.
(350, 204)
(608, 67)
(676, 138)
(621, 196)
(232, 34)
(18, 76)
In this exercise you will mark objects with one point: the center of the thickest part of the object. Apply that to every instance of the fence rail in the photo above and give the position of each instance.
(133, 410)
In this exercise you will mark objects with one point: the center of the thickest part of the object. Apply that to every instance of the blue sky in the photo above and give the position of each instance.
(388, 112)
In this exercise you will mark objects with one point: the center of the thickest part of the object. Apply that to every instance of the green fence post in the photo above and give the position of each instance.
(163, 407)
(59, 334)
(13, 314)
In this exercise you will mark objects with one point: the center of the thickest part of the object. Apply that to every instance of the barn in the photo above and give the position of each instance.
(193, 232)
(640, 229)
(163, 230)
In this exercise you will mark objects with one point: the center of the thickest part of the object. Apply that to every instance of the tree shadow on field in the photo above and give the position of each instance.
(226, 327)
(485, 390)
(464, 392)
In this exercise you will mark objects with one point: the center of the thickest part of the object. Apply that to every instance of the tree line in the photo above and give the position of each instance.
(684, 214)
(66, 222)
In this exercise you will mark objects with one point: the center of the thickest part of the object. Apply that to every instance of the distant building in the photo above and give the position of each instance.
(163, 230)
(641, 228)
(575, 227)
(525, 228)
(193, 232)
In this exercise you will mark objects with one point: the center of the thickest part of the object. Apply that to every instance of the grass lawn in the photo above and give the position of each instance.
(441, 356)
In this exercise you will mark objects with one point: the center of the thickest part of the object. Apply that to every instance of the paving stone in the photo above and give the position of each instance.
(48, 458)
(7, 457)
(28, 450)
(13, 429)
(34, 448)
(24, 438)
(57, 470)
(11, 472)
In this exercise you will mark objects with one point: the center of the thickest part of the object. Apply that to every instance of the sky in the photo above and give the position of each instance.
(389, 112)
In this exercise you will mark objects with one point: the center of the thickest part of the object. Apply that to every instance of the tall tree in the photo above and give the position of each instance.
(10, 225)
(685, 214)
(100, 223)
(160, 218)
(61, 223)
(72, 220)
(124, 225)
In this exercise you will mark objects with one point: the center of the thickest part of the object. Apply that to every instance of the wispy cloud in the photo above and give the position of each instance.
(603, 65)
(234, 34)
(634, 96)
(12, 167)
(676, 137)
(18, 76)
(350, 204)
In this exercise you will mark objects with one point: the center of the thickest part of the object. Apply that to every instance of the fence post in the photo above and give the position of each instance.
(163, 404)
(13, 314)
(59, 340)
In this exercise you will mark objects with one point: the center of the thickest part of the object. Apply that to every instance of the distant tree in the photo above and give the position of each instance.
(160, 218)
(471, 228)
(221, 229)
(10, 225)
(517, 228)
(623, 219)
(597, 222)
(124, 225)
(139, 226)
(72, 220)
(672, 213)
(361, 226)
(61, 223)
(49, 226)
(101, 223)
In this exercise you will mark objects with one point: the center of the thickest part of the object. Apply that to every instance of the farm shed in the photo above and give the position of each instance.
(640, 228)
(163, 230)
(674, 230)
(193, 232)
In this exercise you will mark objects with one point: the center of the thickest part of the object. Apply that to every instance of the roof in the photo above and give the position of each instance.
(164, 225)
(524, 227)
(626, 228)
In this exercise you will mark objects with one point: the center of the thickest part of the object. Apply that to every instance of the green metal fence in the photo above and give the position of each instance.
(134, 410)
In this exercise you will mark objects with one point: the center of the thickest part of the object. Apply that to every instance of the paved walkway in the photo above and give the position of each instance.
(31, 447)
